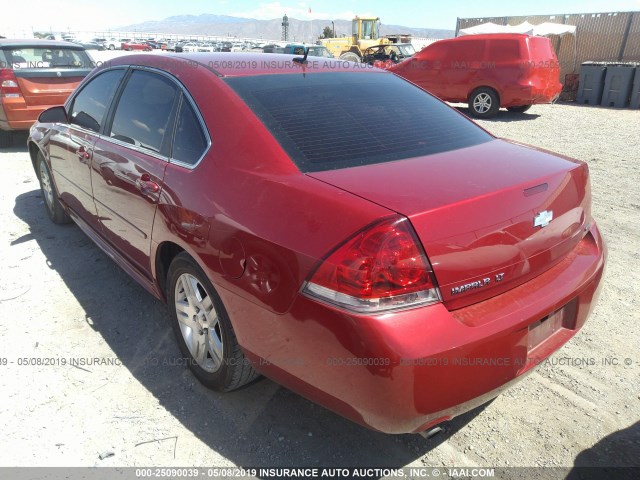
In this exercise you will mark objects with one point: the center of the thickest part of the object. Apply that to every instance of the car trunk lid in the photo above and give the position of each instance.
(482, 213)
(45, 86)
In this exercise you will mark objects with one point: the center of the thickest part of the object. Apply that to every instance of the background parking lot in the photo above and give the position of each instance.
(89, 366)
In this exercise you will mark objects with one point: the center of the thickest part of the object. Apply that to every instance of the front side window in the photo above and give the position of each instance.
(144, 111)
(190, 141)
(90, 105)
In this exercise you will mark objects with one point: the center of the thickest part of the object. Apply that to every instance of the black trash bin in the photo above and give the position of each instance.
(591, 83)
(617, 85)
(635, 90)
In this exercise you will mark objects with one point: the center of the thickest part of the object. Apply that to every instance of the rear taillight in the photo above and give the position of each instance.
(379, 269)
(9, 84)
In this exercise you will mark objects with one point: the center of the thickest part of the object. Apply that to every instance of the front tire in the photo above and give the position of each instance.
(54, 208)
(484, 102)
(519, 109)
(350, 57)
(203, 329)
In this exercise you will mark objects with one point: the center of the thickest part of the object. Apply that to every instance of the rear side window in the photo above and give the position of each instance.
(190, 141)
(90, 105)
(144, 111)
(502, 50)
(335, 120)
(43, 57)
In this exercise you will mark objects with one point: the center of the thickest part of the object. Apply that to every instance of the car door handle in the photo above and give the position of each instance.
(145, 184)
(83, 154)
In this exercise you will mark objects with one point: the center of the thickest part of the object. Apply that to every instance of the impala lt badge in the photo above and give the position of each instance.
(543, 219)
(477, 284)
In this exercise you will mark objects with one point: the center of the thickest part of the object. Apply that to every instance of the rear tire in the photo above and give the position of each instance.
(6, 139)
(350, 57)
(54, 208)
(519, 109)
(484, 102)
(203, 329)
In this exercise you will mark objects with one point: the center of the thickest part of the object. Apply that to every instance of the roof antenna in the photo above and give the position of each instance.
(302, 60)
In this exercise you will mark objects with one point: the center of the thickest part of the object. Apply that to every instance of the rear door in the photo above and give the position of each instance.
(130, 160)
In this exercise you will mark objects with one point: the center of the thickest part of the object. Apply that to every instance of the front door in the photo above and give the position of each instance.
(71, 145)
(129, 163)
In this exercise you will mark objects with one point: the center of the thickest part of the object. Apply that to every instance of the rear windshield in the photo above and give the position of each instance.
(22, 58)
(541, 49)
(335, 120)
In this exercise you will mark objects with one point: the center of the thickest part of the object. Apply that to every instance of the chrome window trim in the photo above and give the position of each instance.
(185, 94)
(135, 148)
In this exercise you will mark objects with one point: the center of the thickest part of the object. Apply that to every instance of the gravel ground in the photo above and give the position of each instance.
(61, 298)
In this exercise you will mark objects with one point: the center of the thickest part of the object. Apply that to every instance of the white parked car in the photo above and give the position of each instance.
(190, 47)
(116, 43)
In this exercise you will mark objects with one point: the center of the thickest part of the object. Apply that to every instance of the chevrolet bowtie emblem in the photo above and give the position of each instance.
(543, 219)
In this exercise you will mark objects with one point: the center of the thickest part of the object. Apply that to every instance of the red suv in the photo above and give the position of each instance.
(487, 71)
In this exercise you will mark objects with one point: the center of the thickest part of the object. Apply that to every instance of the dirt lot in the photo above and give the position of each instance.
(61, 298)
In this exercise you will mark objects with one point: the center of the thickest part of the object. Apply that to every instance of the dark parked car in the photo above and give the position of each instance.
(299, 49)
(35, 75)
(388, 54)
(398, 276)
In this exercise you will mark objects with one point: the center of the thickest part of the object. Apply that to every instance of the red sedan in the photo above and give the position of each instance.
(398, 276)
(133, 45)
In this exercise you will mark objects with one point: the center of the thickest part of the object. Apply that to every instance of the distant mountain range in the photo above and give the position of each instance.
(299, 30)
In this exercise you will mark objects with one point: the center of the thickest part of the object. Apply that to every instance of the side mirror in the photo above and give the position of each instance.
(54, 115)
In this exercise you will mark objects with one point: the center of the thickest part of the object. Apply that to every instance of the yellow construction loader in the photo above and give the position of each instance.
(365, 33)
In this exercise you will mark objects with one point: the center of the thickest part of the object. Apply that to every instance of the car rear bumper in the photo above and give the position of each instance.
(407, 371)
(15, 114)
(530, 94)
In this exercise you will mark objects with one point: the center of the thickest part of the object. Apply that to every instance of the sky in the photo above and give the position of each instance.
(83, 15)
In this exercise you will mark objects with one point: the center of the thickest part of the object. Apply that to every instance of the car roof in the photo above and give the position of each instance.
(487, 36)
(228, 64)
(36, 42)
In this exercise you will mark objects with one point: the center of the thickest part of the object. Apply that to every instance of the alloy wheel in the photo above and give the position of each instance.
(482, 103)
(199, 323)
